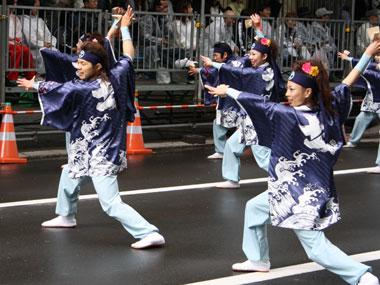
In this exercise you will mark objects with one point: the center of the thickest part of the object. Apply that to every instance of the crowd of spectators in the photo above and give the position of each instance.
(165, 40)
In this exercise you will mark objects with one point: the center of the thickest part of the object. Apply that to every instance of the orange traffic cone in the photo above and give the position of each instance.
(8, 145)
(135, 139)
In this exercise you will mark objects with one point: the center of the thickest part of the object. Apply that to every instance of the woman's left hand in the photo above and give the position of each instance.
(28, 84)
(221, 90)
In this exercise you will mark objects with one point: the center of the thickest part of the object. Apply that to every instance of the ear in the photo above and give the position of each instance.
(308, 93)
(98, 67)
(225, 55)
(265, 56)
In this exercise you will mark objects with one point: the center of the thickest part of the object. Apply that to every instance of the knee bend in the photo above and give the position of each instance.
(111, 208)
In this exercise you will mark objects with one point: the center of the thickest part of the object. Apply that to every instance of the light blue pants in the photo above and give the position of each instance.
(361, 124)
(67, 141)
(318, 248)
(108, 192)
(231, 158)
(220, 137)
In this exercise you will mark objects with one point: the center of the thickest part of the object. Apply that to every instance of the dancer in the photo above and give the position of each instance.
(262, 77)
(94, 111)
(306, 138)
(369, 109)
(68, 62)
(226, 114)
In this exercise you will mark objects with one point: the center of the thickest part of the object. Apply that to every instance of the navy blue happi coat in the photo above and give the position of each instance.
(301, 186)
(95, 113)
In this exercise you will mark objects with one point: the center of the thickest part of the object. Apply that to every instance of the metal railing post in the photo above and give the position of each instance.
(3, 49)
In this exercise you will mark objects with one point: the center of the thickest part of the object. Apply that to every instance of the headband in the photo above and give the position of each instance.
(304, 80)
(262, 46)
(219, 50)
(90, 57)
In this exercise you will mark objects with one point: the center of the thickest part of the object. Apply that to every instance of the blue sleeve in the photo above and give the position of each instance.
(123, 79)
(210, 77)
(57, 102)
(262, 113)
(59, 66)
(342, 102)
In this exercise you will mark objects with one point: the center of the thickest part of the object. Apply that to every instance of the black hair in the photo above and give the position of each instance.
(99, 50)
(224, 46)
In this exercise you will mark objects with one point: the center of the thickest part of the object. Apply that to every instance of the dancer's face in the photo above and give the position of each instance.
(86, 69)
(297, 95)
(218, 57)
(257, 58)
(377, 57)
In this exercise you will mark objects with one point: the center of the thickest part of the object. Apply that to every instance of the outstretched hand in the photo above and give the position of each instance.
(28, 84)
(126, 21)
(220, 90)
(342, 55)
(206, 61)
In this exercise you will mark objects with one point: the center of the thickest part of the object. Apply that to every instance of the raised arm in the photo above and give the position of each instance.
(371, 50)
(117, 14)
(126, 22)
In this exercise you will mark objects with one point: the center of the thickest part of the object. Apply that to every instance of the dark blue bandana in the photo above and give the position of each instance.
(261, 48)
(304, 80)
(90, 57)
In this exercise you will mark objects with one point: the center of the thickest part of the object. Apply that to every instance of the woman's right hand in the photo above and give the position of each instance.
(206, 61)
(126, 21)
(220, 90)
(342, 55)
(28, 84)
(256, 21)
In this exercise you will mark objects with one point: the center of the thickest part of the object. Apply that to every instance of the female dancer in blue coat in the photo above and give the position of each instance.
(262, 77)
(370, 108)
(94, 110)
(305, 138)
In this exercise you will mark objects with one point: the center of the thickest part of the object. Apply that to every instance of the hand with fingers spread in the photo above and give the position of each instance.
(220, 90)
(126, 20)
(256, 21)
(27, 84)
(206, 61)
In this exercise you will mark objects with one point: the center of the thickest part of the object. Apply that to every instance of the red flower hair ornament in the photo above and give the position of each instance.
(309, 69)
(265, 42)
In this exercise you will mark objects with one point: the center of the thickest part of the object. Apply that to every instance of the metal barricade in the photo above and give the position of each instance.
(157, 38)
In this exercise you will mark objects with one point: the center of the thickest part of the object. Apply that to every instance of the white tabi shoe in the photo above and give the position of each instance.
(61, 222)
(350, 145)
(249, 266)
(216, 155)
(374, 170)
(368, 279)
(228, 185)
(151, 240)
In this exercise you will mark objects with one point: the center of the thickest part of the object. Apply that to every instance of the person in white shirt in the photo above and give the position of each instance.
(220, 30)
(19, 53)
(264, 11)
(185, 32)
(362, 38)
(322, 38)
(36, 34)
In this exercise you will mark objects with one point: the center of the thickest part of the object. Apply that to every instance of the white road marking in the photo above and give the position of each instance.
(282, 272)
(161, 189)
